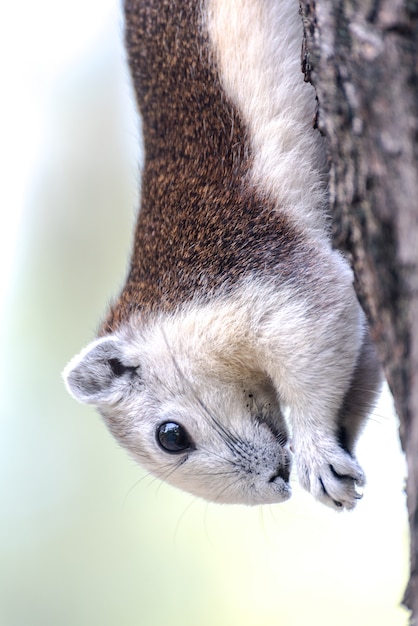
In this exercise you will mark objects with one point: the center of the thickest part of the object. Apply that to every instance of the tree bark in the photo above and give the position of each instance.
(362, 58)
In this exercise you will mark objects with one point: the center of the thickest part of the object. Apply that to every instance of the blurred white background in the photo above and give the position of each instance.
(86, 537)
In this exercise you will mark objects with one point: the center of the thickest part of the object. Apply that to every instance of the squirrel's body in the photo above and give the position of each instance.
(235, 302)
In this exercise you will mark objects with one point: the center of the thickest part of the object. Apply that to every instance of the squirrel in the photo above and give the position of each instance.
(236, 306)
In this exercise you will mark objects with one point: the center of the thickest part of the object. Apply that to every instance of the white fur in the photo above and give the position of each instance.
(257, 48)
(205, 359)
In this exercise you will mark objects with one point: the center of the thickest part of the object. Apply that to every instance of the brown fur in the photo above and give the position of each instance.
(201, 227)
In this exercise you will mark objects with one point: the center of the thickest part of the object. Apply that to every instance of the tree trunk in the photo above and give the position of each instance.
(362, 58)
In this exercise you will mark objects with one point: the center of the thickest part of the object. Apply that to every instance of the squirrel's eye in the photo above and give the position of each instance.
(173, 438)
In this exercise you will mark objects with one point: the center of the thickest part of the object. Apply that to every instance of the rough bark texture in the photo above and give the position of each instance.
(362, 57)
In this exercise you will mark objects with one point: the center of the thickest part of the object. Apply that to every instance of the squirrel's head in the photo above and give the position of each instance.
(189, 411)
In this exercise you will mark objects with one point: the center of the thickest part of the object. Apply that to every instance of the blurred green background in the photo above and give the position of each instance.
(86, 537)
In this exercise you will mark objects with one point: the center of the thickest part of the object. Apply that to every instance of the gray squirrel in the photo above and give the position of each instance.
(235, 305)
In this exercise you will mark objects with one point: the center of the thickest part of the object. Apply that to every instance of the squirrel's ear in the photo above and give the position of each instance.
(97, 374)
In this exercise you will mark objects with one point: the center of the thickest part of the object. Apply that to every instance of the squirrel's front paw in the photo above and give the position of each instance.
(329, 473)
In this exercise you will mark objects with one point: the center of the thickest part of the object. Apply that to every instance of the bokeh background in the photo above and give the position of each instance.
(86, 537)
